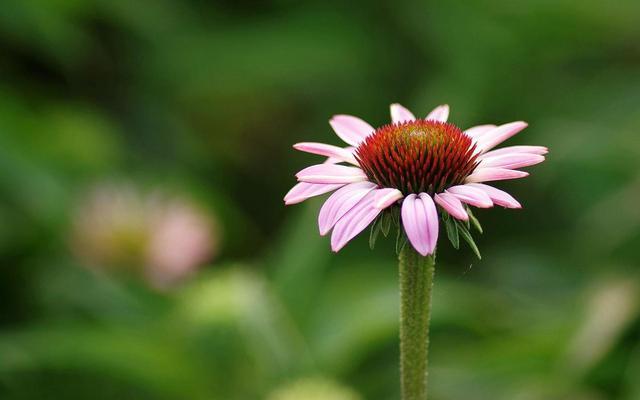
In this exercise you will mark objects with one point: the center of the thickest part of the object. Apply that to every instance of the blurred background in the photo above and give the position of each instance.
(145, 251)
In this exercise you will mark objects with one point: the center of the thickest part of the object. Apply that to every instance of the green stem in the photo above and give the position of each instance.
(416, 281)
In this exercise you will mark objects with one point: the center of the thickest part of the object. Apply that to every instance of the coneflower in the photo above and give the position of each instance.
(414, 173)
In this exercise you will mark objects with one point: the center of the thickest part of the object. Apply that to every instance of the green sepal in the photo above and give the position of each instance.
(466, 223)
(464, 231)
(381, 224)
(401, 241)
(474, 221)
(385, 224)
(452, 231)
(395, 216)
(376, 228)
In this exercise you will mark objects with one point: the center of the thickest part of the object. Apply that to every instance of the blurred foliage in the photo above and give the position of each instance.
(205, 99)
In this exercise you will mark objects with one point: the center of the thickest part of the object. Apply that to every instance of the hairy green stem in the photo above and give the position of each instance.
(416, 281)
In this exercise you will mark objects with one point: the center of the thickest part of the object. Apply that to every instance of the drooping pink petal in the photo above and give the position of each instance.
(494, 174)
(386, 197)
(440, 113)
(354, 222)
(498, 196)
(302, 191)
(339, 203)
(478, 130)
(511, 161)
(540, 150)
(432, 219)
(327, 150)
(452, 205)
(420, 222)
(400, 114)
(351, 129)
(331, 173)
(412, 217)
(497, 135)
(470, 195)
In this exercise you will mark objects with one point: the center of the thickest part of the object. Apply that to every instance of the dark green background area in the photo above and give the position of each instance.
(206, 99)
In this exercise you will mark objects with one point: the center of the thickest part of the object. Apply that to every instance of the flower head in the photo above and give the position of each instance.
(427, 169)
(419, 156)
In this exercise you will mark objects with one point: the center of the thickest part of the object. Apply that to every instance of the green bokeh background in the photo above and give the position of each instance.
(205, 99)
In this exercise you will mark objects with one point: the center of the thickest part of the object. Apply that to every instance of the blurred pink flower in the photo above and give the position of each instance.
(415, 165)
(162, 238)
(182, 238)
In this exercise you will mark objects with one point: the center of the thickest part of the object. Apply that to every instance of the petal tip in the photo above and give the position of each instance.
(523, 124)
(519, 125)
(335, 119)
(288, 199)
(338, 118)
(336, 247)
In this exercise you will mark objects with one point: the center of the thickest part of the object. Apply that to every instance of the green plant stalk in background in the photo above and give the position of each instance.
(416, 282)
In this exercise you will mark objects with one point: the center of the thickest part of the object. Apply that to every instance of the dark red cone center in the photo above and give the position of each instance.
(417, 156)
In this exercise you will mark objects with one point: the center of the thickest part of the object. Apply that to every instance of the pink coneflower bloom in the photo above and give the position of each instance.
(159, 237)
(425, 167)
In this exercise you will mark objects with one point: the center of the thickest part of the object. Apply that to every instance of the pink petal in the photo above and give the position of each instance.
(540, 150)
(303, 191)
(400, 114)
(331, 173)
(354, 222)
(440, 113)
(327, 150)
(420, 222)
(452, 205)
(511, 161)
(499, 134)
(469, 195)
(339, 203)
(386, 197)
(432, 218)
(498, 196)
(351, 129)
(494, 174)
(334, 160)
(476, 131)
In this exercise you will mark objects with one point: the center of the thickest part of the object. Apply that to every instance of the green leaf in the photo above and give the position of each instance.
(474, 220)
(452, 232)
(468, 238)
